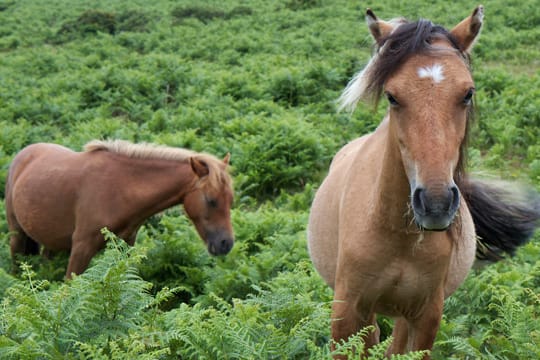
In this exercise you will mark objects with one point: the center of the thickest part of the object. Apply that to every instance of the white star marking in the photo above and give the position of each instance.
(435, 72)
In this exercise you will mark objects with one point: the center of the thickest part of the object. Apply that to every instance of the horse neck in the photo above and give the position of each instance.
(155, 185)
(391, 197)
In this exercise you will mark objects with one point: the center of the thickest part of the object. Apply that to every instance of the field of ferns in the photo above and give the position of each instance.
(258, 79)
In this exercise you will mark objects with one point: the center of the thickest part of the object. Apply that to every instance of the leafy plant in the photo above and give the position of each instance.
(258, 80)
(98, 312)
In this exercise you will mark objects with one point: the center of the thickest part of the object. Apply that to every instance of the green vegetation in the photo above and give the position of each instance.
(257, 79)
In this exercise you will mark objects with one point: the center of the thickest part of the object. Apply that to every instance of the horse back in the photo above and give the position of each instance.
(34, 158)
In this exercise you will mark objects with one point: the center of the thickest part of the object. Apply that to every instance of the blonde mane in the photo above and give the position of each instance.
(217, 177)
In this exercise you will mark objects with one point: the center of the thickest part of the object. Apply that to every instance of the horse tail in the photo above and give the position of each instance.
(504, 218)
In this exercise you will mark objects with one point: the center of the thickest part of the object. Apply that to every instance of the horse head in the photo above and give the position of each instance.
(423, 70)
(208, 204)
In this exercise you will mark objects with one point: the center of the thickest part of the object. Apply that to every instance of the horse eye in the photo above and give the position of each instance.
(468, 98)
(392, 100)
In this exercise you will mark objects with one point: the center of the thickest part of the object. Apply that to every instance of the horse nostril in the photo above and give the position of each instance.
(454, 201)
(226, 246)
(418, 200)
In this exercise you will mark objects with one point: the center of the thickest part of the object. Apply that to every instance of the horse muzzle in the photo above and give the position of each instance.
(435, 210)
(220, 243)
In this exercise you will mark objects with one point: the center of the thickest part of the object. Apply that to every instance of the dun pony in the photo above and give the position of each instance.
(394, 226)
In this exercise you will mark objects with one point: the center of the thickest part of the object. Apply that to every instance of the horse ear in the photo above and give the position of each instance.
(379, 29)
(467, 31)
(199, 167)
(227, 158)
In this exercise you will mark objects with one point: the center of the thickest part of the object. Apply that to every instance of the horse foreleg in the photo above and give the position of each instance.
(82, 251)
(400, 336)
(423, 329)
(347, 320)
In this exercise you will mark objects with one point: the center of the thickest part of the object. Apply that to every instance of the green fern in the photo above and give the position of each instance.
(494, 314)
(355, 345)
(100, 309)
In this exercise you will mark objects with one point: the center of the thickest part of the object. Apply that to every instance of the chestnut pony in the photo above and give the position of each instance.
(393, 228)
(61, 199)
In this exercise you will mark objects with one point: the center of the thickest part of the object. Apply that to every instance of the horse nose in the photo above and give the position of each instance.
(225, 246)
(221, 246)
(435, 210)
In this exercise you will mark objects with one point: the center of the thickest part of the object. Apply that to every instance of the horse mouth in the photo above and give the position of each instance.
(433, 223)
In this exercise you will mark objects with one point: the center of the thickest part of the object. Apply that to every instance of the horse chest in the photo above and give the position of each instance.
(404, 290)
(407, 278)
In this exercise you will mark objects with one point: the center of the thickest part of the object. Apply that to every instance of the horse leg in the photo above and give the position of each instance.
(49, 254)
(20, 244)
(400, 336)
(423, 329)
(347, 321)
(129, 236)
(82, 251)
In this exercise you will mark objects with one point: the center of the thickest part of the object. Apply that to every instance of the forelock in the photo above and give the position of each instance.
(407, 39)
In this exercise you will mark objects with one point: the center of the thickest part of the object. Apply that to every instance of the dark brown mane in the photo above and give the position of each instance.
(460, 174)
(406, 40)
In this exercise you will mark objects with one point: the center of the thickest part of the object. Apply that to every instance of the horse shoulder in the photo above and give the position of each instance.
(347, 152)
(323, 234)
(101, 182)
